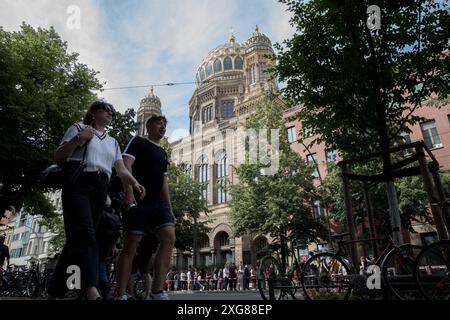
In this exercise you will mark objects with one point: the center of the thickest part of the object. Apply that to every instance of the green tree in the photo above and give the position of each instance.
(359, 88)
(260, 202)
(123, 127)
(413, 202)
(187, 205)
(43, 90)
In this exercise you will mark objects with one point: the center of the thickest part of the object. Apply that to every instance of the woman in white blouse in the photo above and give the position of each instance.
(84, 200)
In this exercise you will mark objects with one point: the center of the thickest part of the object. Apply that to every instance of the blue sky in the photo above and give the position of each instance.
(133, 43)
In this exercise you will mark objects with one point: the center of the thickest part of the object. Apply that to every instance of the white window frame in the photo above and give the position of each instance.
(428, 135)
(292, 134)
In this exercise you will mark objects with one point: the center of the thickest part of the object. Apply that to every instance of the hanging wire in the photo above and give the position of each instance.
(169, 84)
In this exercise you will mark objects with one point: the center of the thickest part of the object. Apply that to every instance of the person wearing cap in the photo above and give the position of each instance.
(84, 200)
(4, 252)
(147, 160)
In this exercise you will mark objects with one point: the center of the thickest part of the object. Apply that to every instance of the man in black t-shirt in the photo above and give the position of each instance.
(4, 252)
(148, 162)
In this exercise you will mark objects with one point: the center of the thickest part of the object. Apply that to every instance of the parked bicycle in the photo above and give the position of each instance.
(432, 268)
(274, 281)
(328, 275)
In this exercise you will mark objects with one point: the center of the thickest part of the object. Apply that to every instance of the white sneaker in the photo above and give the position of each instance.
(160, 296)
(123, 297)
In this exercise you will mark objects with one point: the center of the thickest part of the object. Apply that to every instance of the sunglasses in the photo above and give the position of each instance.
(108, 108)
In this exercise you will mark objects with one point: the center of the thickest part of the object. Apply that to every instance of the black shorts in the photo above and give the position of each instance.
(141, 217)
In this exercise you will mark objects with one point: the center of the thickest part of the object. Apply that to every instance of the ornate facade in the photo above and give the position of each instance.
(231, 80)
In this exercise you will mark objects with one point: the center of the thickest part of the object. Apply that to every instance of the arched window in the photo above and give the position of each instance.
(227, 63)
(238, 63)
(222, 174)
(217, 65)
(209, 69)
(224, 239)
(262, 71)
(202, 75)
(252, 73)
(203, 177)
(207, 114)
(222, 164)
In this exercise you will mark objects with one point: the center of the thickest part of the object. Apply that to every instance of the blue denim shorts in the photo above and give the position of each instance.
(139, 218)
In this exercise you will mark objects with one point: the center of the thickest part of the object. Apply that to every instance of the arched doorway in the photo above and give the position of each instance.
(224, 254)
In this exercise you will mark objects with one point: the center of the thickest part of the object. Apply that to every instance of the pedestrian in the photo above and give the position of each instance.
(148, 162)
(246, 278)
(4, 253)
(84, 200)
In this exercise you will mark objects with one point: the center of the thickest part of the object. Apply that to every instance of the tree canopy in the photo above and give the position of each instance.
(359, 87)
(262, 203)
(123, 127)
(43, 90)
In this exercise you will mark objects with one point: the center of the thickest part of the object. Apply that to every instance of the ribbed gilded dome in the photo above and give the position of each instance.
(258, 38)
(225, 58)
(151, 102)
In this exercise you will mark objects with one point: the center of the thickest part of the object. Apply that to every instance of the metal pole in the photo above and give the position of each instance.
(434, 168)
(349, 212)
(432, 198)
(372, 229)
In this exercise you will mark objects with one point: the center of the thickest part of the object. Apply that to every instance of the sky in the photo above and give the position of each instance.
(149, 42)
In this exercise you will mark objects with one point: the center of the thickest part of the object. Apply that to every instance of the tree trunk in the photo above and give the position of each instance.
(394, 213)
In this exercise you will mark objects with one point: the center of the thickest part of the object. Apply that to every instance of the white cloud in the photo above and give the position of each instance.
(89, 40)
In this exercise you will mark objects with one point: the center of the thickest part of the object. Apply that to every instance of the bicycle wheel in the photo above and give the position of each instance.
(325, 276)
(432, 271)
(269, 270)
(397, 270)
(32, 286)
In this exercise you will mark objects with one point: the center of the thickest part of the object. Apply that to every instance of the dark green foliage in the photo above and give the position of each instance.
(43, 90)
(262, 203)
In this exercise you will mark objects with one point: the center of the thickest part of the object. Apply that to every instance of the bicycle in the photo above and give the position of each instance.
(432, 268)
(432, 271)
(327, 275)
(273, 282)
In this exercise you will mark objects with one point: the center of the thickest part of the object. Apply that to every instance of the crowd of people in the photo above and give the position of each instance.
(229, 277)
